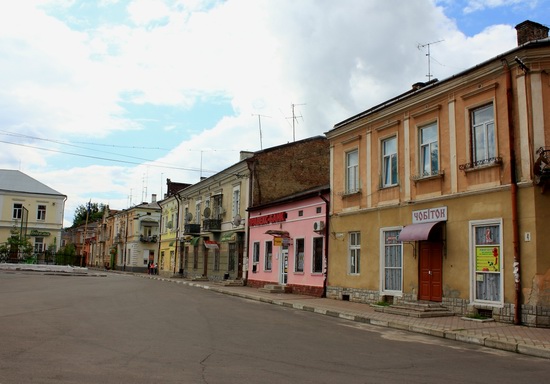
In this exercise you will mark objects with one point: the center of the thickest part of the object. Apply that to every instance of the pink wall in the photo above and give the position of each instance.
(303, 277)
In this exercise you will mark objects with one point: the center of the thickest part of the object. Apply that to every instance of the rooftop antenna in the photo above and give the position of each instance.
(294, 119)
(429, 75)
(260, 126)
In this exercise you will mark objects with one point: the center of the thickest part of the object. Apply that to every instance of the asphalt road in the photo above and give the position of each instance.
(126, 329)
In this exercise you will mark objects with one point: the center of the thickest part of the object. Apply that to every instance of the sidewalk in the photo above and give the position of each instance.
(507, 337)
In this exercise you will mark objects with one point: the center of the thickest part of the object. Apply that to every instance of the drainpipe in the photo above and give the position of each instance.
(177, 234)
(327, 206)
(513, 195)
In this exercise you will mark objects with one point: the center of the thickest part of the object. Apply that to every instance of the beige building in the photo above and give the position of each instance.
(31, 209)
(438, 194)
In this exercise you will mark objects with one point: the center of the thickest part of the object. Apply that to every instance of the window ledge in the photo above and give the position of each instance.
(482, 164)
(431, 176)
(350, 193)
(389, 186)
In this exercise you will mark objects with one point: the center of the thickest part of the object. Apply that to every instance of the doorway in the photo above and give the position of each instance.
(430, 271)
(284, 266)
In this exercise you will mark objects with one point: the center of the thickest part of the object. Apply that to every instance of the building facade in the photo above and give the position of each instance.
(32, 210)
(288, 243)
(438, 193)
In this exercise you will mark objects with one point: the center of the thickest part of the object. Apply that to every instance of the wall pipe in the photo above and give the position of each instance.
(327, 206)
(513, 194)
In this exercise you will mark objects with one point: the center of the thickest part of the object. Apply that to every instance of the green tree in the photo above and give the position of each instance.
(95, 213)
(16, 248)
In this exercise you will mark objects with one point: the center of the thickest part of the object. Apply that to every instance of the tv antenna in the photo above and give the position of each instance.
(260, 126)
(294, 119)
(429, 75)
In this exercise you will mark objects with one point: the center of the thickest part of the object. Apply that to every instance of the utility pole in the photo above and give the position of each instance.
(260, 126)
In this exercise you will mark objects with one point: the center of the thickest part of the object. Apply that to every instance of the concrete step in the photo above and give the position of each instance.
(416, 309)
(233, 283)
(275, 288)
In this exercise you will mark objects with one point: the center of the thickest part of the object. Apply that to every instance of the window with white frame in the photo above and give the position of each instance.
(483, 134)
(198, 212)
(389, 162)
(352, 171)
(317, 257)
(354, 252)
(268, 255)
(41, 213)
(486, 258)
(38, 244)
(256, 252)
(392, 261)
(299, 255)
(17, 211)
(236, 203)
(429, 150)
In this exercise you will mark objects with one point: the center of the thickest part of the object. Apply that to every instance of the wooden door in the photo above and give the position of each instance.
(431, 268)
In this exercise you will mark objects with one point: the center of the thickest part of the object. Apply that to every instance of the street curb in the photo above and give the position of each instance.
(507, 346)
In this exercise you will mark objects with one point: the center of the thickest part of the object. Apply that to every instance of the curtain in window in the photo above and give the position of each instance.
(392, 262)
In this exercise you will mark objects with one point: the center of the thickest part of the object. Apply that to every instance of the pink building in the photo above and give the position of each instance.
(288, 243)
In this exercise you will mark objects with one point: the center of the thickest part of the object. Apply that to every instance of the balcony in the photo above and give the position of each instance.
(191, 229)
(148, 239)
(211, 225)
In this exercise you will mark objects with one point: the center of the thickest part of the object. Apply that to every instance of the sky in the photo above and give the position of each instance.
(104, 100)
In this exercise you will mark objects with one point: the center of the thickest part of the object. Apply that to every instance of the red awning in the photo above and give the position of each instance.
(415, 232)
(277, 233)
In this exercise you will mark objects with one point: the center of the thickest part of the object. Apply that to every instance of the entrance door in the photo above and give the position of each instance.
(240, 257)
(284, 266)
(431, 263)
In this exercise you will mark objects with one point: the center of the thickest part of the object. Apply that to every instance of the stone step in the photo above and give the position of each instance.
(275, 288)
(233, 283)
(416, 309)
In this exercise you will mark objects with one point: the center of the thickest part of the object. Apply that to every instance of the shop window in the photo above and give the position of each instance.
(299, 256)
(486, 257)
(391, 261)
(317, 257)
(268, 255)
(354, 252)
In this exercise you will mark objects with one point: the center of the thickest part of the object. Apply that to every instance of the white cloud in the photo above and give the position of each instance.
(479, 5)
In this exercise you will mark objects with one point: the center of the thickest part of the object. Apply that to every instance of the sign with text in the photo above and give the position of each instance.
(267, 219)
(429, 215)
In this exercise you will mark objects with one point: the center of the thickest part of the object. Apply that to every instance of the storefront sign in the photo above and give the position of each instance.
(36, 232)
(429, 215)
(267, 219)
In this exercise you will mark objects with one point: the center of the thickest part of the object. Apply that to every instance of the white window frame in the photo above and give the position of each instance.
(198, 213)
(352, 171)
(427, 148)
(268, 255)
(383, 267)
(388, 158)
(17, 213)
(256, 252)
(236, 201)
(41, 212)
(299, 257)
(488, 134)
(474, 273)
(354, 253)
(313, 254)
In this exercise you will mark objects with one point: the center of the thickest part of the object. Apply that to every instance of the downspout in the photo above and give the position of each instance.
(325, 273)
(513, 195)
(177, 235)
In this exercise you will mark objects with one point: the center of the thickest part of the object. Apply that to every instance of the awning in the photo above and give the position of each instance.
(211, 244)
(194, 241)
(415, 232)
(228, 236)
(277, 233)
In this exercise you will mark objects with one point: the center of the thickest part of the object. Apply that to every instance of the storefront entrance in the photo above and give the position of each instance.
(284, 266)
(430, 270)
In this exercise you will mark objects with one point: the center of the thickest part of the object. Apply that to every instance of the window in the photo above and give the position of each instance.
(429, 152)
(198, 212)
(392, 261)
(232, 256)
(487, 260)
(256, 253)
(299, 256)
(483, 134)
(41, 213)
(38, 244)
(17, 211)
(352, 171)
(354, 252)
(217, 209)
(236, 201)
(317, 266)
(268, 255)
(216, 259)
(389, 162)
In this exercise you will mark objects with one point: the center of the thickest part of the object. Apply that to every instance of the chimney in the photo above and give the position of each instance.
(529, 31)
(154, 198)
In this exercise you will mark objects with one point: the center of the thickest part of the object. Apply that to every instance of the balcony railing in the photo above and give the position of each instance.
(148, 239)
(211, 225)
(191, 229)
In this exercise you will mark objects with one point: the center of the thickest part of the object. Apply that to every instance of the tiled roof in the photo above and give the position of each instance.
(17, 181)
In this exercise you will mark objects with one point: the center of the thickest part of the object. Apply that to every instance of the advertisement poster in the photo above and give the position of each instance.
(488, 259)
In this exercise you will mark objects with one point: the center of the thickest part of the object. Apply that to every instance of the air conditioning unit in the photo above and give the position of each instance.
(318, 226)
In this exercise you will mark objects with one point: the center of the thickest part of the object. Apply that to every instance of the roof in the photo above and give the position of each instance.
(17, 181)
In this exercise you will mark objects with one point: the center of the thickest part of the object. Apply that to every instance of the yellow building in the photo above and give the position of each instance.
(32, 210)
(438, 194)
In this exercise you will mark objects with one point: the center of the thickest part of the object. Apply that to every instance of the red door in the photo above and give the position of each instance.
(431, 263)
